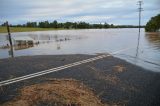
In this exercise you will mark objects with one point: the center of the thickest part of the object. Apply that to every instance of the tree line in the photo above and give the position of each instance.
(153, 24)
(70, 25)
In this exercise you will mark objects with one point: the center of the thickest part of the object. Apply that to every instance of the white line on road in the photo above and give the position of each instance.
(29, 76)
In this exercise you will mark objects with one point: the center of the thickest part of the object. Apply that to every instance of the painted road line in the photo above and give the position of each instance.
(14, 80)
(48, 71)
(83, 61)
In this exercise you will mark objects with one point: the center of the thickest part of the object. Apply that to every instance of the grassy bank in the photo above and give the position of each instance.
(24, 29)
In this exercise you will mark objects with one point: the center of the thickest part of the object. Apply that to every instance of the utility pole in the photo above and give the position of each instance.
(140, 9)
(9, 34)
(10, 40)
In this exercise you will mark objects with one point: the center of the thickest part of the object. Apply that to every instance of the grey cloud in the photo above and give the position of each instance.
(119, 11)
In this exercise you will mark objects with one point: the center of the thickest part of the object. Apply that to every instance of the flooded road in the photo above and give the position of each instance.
(90, 41)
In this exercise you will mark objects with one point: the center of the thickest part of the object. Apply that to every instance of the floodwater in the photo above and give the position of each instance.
(145, 53)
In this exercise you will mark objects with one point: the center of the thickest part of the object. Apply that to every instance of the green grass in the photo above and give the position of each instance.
(24, 29)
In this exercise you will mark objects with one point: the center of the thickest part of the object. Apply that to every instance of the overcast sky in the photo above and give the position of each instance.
(92, 11)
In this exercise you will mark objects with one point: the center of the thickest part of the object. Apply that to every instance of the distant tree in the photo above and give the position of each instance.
(4, 24)
(41, 24)
(19, 25)
(153, 24)
(60, 25)
(54, 24)
(97, 26)
(106, 25)
(31, 24)
(68, 25)
(82, 25)
(44, 24)
(75, 24)
(112, 26)
(71, 25)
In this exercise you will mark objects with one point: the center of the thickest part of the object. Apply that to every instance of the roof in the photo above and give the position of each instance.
(23, 38)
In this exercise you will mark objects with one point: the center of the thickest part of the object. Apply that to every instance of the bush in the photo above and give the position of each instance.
(153, 24)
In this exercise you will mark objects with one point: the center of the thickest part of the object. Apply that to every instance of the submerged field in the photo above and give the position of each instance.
(25, 29)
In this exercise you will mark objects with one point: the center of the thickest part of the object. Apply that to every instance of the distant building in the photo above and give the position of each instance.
(22, 40)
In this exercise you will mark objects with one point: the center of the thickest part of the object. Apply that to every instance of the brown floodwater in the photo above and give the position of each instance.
(145, 53)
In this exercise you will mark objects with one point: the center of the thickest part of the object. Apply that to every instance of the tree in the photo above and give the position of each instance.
(79, 25)
(106, 25)
(4, 24)
(153, 24)
(68, 25)
(30, 24)
(82, 25)
(44, 24)
(54, 24)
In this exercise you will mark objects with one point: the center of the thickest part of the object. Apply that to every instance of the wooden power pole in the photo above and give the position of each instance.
(9, 34)
(10, 40)
(140, 9)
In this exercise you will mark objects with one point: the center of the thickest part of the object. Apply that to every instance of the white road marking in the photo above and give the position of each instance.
(29, 76)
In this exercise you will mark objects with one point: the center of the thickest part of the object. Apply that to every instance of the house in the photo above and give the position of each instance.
(22, 40)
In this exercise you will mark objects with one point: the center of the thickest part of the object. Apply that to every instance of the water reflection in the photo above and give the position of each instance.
(25, 46)
(137, 49)
(153, 39)
(12, 49)
(91, 42)
(58, 46)
(11, 52)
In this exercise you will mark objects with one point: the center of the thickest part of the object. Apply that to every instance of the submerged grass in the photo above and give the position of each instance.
(26, 29)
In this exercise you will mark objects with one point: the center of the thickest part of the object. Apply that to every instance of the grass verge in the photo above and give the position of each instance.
(26, 29)
(56, 92)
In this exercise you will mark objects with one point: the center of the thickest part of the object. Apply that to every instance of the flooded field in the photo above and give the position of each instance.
(146, 53)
